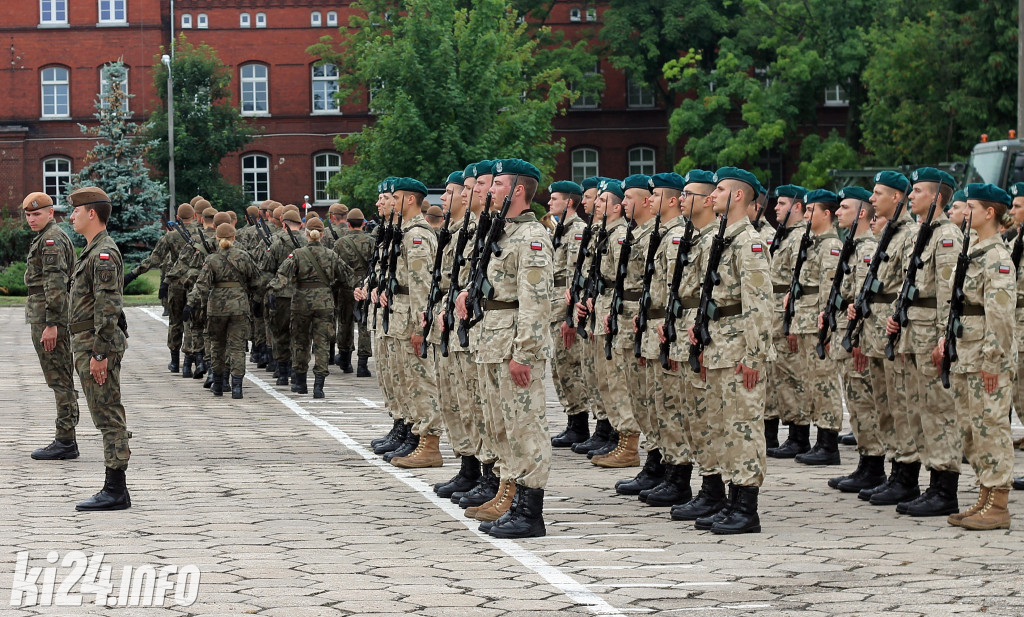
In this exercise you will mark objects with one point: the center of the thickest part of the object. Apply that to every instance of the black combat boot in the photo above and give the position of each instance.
(272, 364)
(300, 386)
(485, 490)
(202, 367)
(771, 433)
(227, 380)
(210, 377)
(263, 356)
(395, 426)
(597, 439)
(824, 452)
(856, 475)
(175, 363)
(236, 386)
(872, 475)
(705, 523)
(113, 495)
(57, 451)
(363, 370)
(465, 480)
(318, 385)
(608, 447)
(651, 475)
(866, 493)
(527, 520)
(283, 369)
(742, 517)
(395, 440)
(332, 357)
(186, 367)
(904, 488)
(411, 441)
(1018, 484)
(345, 361)
(849, 439)
(938, 500)
(577, 429)
(674, 489)
(217, 384)
(709, 500)
(798, 442)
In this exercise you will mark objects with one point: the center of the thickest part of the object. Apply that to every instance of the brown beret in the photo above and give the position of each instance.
(266, 205)
(186, 211)
(355, 214)
(232, 216)
(209, 213)
(316, 224)
(274, 204)
(36, 201)
(192, 202)
(338, 209)
(252, 211)
(312, 215)
(202, 205)
(278, 211)
(292, 207)
(87, 196)
(220, 218)
(435, 211)
(291, 215)
(225, 230)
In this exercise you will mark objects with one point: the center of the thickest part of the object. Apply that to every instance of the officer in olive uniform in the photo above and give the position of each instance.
(98, 340)
(48, 267)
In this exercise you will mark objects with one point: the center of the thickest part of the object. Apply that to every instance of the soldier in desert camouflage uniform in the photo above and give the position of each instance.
(48, 267)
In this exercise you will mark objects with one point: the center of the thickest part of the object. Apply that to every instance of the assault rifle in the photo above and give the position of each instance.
(909, 291)
(621, 268)
(707, 310)
(594, 285)
(835, 299)
(644, 309)
(781, 232)
(259, 230)
(674, 307)
(389, 283)
(327, 221)
(183, 232)
(954, 327)
(479, 288)
(291, 234)
(479, 242)
(795, 288)
(362, 306)
(556, 237)
(1018, 248)
(443, 238)
(448, 323)
(577, 283)
(760, 212)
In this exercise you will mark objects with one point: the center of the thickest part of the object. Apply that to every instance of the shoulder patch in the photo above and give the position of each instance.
(417, 240)
(537, 246)
(50, 243)
(947, 243)
(677, 239)
(1004, 269)
(867, 260)
(770, 242)
(834, 252)
(104, 256)
(620, 240)
(578, 237)
(756, 247)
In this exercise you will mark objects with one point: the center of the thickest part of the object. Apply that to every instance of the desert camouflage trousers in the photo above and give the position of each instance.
(697, 429)
(736, 417)
(887, 384)
(567, 374)
(985, 427)
(416, 388)
(588, 362)
(636, 384)
(106, 408)
(57, 368)
(786, 395)
(664, 397)
(228, 334)
(456, 402)
(932, 415)
(611, 383)
(522, 439)
(821, 401)
(860, 401)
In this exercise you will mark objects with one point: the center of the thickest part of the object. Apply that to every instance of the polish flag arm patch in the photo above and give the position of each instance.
(867, 260)
(417, 240)
(578, 236)
(676, 240)
(947, 244)
(104, 256)
(757, 247)
(620, 240)
(834, 252)
(1004, 269)
(536, 246)
(49, 243)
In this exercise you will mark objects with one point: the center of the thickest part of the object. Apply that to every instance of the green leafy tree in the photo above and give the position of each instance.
(818, 156)
(207, 126)
(116, 164)
(449, 85)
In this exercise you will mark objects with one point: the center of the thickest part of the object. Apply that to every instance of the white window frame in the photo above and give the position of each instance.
(325, 86)
(251, 86)
(575, 14)
(202, 21)
(642, 160)
(112, 8)
(54, 85)
(186, 21)
(54, 8)
(638, 95)
(251, 170)
(322, 172)
(52, 184)
(104, 85)
(592, 14)
(836, 96)
(316, 19)
(591, 100)
(332, 19)
(261, 20)
(244, 20)
(584, 168)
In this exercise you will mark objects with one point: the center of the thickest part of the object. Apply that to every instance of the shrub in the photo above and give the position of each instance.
(12, 280)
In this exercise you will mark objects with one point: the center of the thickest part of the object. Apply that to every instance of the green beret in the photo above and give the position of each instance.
(409, 184)
(961, 196)
(821, 196)
(987, 192)
(565, 186)
(698, 176)
(611, 185)
(855, 192)
(455, 178)
(790, 190)
(893, 180)
(388, 185)
(669, 180)
(516, 167)
(474, 170)
(744, 176)
(930, 174)
(636, 181)
(1015, 190)
(590, 183)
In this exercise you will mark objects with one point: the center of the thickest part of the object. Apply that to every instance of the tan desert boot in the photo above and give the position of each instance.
(500, 507)
(626, 454)
(993, 515)
(426, 454)
(954, 519)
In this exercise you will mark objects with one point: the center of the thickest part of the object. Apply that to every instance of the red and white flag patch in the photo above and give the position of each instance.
(676, 240)
(537, 246)
(867, 260)
(1003, 269)
(620, 240)
(578, 236)
(947, 244)
(49, 243)
(756, 247)
(417, 240)
(834, 252)
(104, 255)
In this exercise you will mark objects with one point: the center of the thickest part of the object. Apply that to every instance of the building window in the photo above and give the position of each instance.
(639, 94)
(584, 164)
(202, 21)
(186, 21)
(53, 12)
(105, 83)
(314, 19)
(591, 14)
(641, 161)
(332, 18)
(256, 177)
(324, 166)
(836, 96)
(575, 14)
(244, 21)
(325, 85)
(113, 11)
(261, 20)
(373, 88)
(56, 88)
(56, 175)
(587, 100)
(254, 89)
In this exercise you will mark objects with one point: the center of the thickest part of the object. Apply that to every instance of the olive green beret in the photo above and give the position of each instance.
(987, 192)
(893, 179)
(338, 209)
(565, 186)
(855, 192)
(314, 224)
(186, 211)
(636, 181)
(225, 230)
(930, 174)
(291, 215)
(220, 218)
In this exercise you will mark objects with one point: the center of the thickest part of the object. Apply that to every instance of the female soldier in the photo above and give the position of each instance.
(312, 271)
(983, 374)
(227, 279)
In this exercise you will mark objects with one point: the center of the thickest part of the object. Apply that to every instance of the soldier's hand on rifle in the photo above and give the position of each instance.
(821, 320)
(785, 301)
(673, 365)
(636, 319)
(359, 293)
(423, 320)
(607, 323)
(851, 312)
(383, 300)
(750, 376)
(460, 305)
(520, 373)
(373, 296)
(568, 335)
(568, 298)
(938, 353)
(794, 344)
(581, 310)
(891, 327)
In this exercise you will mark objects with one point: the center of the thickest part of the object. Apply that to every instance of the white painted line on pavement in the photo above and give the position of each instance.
(666, 566)
(368, 402)
(575, 523)
(570, 587)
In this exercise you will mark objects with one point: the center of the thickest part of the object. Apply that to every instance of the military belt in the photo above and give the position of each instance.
(312, 285)
(810, 289)
(35, 289)
(82, 326)
(561, 280)
(690, 303)
(925, 303)
(631, 296)
(731, 310)
(884, 298)
(226, 284)
(658, 313)
(780, 289)
(495, 305)
(401, 290)
(973, 310)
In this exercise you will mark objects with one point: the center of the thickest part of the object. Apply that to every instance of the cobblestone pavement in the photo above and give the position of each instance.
(281, 507)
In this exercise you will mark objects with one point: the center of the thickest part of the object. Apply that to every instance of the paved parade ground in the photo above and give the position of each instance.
(274, 506)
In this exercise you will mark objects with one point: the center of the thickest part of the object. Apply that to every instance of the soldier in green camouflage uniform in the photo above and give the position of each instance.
(98, 341)
(987, 351)
(734, 360)
(354, 247)
(172, 273)
(48, 267)
(185, 272)
(514, 347)
(279, 319)
(227, 282)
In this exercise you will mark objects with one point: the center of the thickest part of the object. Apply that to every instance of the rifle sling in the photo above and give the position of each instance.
(307, 253)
